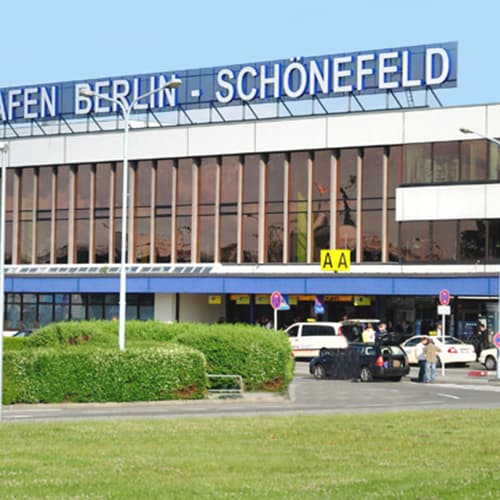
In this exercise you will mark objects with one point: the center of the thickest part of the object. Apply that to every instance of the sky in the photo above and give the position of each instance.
(54, 41)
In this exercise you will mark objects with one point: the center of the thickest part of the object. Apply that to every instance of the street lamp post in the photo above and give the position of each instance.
(497, 142)
(3, 190)
(126, 109)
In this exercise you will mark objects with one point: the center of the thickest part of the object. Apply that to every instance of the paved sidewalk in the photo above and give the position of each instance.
(461, 375)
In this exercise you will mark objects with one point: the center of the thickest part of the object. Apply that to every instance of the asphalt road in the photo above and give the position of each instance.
(306, 395)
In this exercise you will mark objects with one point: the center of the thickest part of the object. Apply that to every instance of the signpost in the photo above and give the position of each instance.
(445, 310)
(276, 300)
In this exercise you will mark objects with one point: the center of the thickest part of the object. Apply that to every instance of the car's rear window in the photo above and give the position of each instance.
(310, 330)
(451, 341)
(395, 349)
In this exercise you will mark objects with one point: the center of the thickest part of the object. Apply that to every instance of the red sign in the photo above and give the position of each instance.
(276, 300)
(444, 297)
(496, 340)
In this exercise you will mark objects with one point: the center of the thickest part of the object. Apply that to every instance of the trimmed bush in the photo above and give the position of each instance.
(14, 343)
(100, 333)
(98, 375)
(262, 357)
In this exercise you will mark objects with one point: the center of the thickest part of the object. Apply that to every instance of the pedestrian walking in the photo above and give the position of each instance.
(483, 339)
(431, 351)
(420, 355)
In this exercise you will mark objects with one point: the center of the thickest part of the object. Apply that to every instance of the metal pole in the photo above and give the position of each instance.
(3, 190)
(123, 256)
(443, 329)
(498, 330)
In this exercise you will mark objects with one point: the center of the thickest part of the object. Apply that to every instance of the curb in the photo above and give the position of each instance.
(478, 373)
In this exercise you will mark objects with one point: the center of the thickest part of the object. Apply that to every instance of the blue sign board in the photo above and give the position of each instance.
(285, 303)
(372, 71)
(319, 306)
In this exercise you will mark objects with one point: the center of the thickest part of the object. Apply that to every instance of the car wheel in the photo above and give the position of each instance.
(438, 362)
(366, 374)
(319, 372)
(490, 363)
(396, 379)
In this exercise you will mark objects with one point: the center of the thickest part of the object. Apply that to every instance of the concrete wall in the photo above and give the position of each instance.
(192, 308)
(195, 308)
(474, 201)
(284, 134)
(164, 307)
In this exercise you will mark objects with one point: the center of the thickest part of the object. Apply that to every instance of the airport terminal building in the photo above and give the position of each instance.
(239, 178)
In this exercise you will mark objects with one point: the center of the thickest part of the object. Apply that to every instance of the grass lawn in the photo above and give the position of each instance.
(438, 454)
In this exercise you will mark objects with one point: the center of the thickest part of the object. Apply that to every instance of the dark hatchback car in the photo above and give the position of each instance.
(367, 362)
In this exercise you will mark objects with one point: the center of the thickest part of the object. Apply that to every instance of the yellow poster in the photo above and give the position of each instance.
(335, 260)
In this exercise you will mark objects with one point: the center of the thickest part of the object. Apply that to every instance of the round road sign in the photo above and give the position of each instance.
(496, 340)
(444, 297)
(276, 300)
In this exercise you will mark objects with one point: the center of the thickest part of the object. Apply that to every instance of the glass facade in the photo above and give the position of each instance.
(279, 207)
(32, 310)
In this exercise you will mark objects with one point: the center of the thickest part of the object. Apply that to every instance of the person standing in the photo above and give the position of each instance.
(382, 333)
(431, 351)
(420, 355)
(483, 341)
(368, 334)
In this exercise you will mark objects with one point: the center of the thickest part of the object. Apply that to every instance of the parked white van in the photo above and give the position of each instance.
(307, 339)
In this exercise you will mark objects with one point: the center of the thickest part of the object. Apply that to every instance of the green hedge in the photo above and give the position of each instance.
(90, 374)
(100, 333)
(261, 356)
(14, 343)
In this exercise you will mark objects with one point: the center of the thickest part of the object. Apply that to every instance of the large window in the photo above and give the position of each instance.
(297, 207)
(274, 207)
(347, 200)
(281, 201)
(321, 202)
(373, 161)
(82, 213)
(207, 182)
(445, 162)
(250, 207)
(394, 180)
(415, 241)
(9, 216)
(471, 241)
(417, 164)
(43, 215)
(63, 183)
(184, 200)
(27, 189)
(444, 241)
(163, 211)
(473, 160)
(142, 211)
(32, 310)
(102, 223)
(494, 241)
(229, 194)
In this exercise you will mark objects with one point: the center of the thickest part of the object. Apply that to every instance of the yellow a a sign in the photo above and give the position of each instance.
(335, 260)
